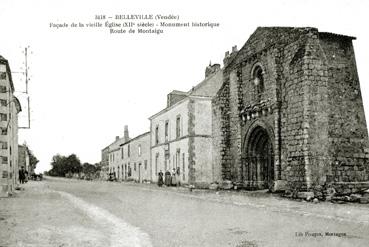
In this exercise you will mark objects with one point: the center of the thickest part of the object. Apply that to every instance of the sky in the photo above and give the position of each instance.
(86, 84)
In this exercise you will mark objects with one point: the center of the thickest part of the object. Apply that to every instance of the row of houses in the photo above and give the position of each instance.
(180, 138)
(284, 111)
(12, 155)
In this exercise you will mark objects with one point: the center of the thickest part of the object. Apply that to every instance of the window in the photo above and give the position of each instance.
(258, 77)
(134, 166)
(4, 160)
(122, 152)
(3, 75)
(4, 145)
(156, 163)
(139, 150)
(157, 135)
(128, 150)
(3, 89)
(3, 117)
(178, 158)
(178, 126)
(166, 131)
(3, 102)
(145, 164)
(183, 165)
(4, 131)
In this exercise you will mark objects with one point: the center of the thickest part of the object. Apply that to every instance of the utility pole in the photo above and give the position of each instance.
(26, 92)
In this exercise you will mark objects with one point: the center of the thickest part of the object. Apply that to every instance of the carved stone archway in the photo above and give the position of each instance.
(258, 158)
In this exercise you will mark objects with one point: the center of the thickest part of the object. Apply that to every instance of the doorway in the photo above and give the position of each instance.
(258, 160)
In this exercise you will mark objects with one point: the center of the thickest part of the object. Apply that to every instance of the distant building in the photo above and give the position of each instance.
(135, 159)
(23, 159)
(114, 154)
(104, 163)
(181, 134)
(9, 109)
(129, 159)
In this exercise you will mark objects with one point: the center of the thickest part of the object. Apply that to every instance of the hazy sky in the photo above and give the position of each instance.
(86, 85)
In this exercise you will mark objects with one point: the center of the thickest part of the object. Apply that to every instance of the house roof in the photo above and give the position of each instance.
(135, 138)
(264, 37)
(206, 88)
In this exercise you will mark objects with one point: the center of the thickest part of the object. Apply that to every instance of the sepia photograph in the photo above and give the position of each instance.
(184, 123)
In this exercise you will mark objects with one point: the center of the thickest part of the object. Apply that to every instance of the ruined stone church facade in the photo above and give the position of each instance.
(290, 113)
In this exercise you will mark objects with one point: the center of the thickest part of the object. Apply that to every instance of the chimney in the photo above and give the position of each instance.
(211, 69)
(116, 138)
(175, 96)
(126, 134)
(228, 56)
(234, 49)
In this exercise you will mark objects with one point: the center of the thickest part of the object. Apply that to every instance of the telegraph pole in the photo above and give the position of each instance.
(26, 92)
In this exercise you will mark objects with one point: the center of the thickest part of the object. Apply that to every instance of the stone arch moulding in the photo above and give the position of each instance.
(259, 172)
(258, 77)
(253, 125)
(256, 65)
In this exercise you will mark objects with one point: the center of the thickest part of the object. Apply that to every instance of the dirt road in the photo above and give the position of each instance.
(61, 212)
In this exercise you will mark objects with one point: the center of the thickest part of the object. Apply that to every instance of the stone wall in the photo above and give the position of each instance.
(200, 148)
(347, 135)
(220, 128)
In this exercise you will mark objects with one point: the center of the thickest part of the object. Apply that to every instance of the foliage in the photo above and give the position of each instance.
(89, 170)
(62, 165)
(32, 158)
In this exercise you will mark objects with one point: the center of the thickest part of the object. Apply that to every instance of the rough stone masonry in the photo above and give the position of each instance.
(290, 115)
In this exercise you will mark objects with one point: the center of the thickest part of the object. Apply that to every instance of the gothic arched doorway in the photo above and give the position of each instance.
(258, 165)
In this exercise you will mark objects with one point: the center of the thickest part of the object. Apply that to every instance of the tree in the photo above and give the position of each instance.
(32, 159)
(62, 165)
(89, 170)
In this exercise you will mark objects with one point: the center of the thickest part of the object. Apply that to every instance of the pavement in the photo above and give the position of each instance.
(65, 212)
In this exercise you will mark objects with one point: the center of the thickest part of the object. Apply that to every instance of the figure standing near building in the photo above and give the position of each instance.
(173, 182)
(160, 179)
(22, 175)
(25, 176)
(167, 178)
(178, 176)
